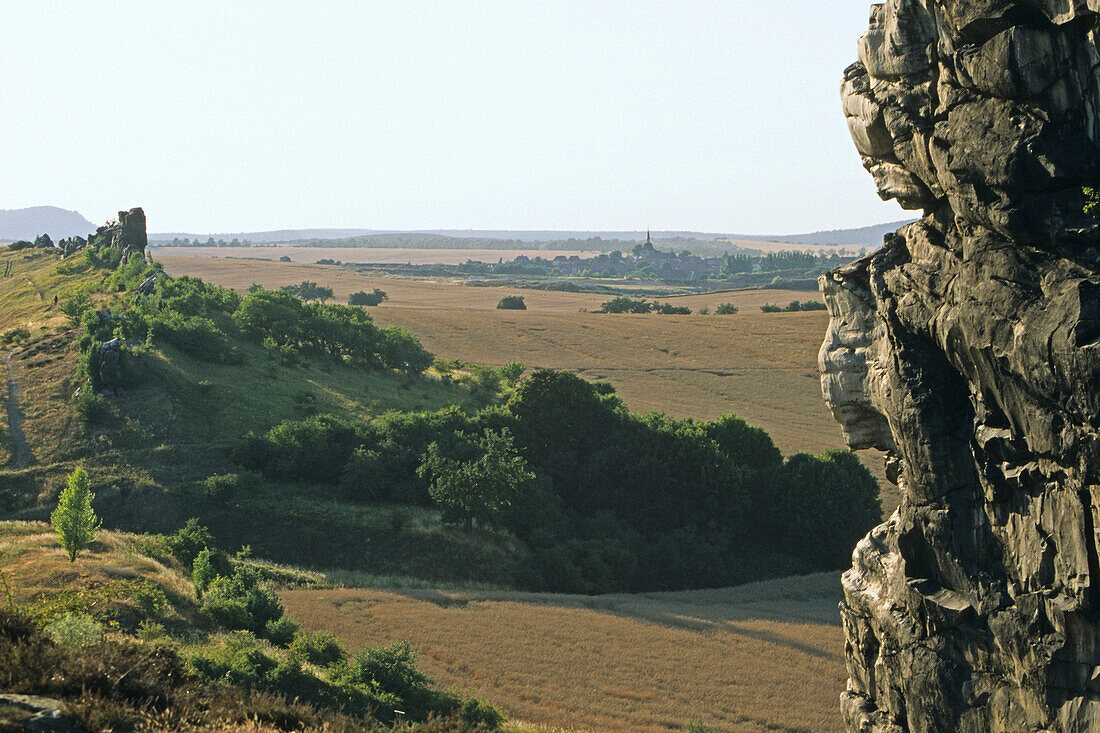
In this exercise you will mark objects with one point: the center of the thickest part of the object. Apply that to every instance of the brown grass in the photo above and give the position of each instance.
(761, 366)
(767, 656)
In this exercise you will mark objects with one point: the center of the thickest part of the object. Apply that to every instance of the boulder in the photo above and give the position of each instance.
(968, 350)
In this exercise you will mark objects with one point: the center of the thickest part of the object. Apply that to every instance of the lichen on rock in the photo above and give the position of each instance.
(968, 348)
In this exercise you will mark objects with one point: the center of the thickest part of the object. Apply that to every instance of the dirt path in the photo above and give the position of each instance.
(21, 455)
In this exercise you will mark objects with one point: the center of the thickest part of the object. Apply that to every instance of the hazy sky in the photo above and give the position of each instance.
(230, 116)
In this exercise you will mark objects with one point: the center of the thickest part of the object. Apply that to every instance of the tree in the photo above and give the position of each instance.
(512, 303)
(74, 519)
(75, 307)
(512, 372)
(480, 486)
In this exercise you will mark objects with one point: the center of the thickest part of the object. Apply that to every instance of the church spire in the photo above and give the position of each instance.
(647, 239)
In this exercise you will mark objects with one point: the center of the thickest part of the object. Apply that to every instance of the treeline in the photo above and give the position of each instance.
(605, 500)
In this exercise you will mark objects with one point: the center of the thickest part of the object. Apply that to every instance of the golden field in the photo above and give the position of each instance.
(761, 366)
(761, 657)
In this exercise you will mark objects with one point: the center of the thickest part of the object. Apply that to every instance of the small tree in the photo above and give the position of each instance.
(479, 487)
(725, 309)
(512, 303)
(511, 372)
(75, 307)
(74, 519)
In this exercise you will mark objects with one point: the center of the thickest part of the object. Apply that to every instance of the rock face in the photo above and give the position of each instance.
(968, 349)
(128, 234)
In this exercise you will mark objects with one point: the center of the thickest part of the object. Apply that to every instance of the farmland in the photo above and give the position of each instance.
(762, 657)
(761, 366)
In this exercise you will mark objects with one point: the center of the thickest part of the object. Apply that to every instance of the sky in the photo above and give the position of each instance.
(231, 116)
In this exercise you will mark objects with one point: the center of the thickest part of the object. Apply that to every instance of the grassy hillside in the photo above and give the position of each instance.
(125, 641)
(176, 422)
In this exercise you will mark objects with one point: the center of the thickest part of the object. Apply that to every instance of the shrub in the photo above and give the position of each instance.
(668, 309)
(512, 303)
(704, 311)
(770, 308)
(622, 304)
(512, 372)
(189, 541)
(75, 630)
(308, 290)
(375, 297)
(75, 307)
(203, 572)
(223, 487)
(21, 244)
(240, 602)
(280, 631)
(151, 630)
(90, 407)
(725, 309)
(197, 336)
(14, 336)
(317, 648)
(285, 258)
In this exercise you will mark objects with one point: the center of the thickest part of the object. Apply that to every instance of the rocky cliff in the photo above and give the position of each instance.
(968, 349)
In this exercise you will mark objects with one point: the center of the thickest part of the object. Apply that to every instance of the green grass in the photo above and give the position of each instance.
(176, 425)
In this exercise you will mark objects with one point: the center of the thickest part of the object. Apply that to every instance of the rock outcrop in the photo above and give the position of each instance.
(968, 349)
(127, 234)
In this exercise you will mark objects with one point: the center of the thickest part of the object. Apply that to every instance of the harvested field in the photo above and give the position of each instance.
(761, 657)
(375, 255)
(761, 366)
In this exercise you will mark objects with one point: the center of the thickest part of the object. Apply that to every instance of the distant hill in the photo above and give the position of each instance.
(862, 237)
(870, 236)
(28, 223)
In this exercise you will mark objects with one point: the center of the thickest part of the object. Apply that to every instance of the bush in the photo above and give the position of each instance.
(203, 572)
(75, 307)
(308, 290)
(317, 648)
(21, 244)
(512, 303)
(512, 372)
(90, 407)
(667, 309)
(189, 541)
(285, 258)
(375, 297)
(14, 336)
(223, 487)
(240, 602)
(197, 336)
(281, 631)
(725, 309)
(770, 308)
(75, 630)
(622, 304)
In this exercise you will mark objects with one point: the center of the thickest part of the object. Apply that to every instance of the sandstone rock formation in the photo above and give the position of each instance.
(968, 349)
(128, 234)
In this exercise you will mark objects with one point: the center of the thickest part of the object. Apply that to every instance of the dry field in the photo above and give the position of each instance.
(761, 366)
(761, 657)
(376, 255)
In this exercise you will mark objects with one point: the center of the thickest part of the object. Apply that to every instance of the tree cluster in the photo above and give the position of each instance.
(604, 500)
